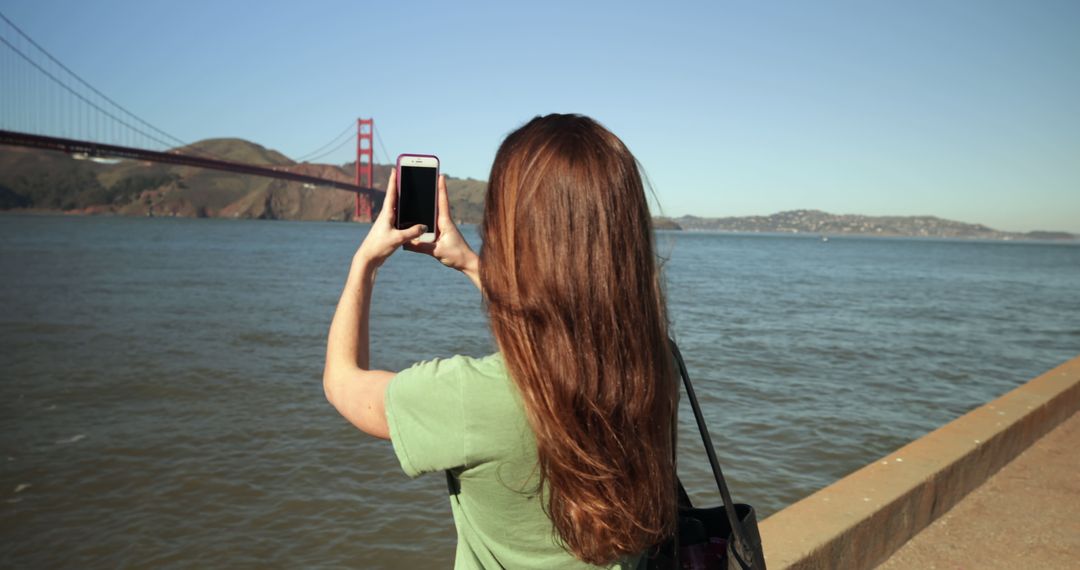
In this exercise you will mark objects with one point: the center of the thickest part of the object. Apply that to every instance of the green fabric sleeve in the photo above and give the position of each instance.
(425, 409)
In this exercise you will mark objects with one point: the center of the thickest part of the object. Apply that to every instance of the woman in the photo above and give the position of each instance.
(558, 448)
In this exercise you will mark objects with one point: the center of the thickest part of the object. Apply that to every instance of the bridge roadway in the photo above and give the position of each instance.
(95, 149)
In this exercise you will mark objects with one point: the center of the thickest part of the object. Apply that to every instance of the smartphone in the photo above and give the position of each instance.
(418, 198)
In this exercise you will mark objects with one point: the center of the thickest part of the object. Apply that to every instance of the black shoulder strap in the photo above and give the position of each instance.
(729, 505)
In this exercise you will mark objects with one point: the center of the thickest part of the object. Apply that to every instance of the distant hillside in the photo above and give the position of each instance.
(238, 150)
(824, 223)
(46, 180)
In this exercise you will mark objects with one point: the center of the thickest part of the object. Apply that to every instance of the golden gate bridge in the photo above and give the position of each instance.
(46, 105)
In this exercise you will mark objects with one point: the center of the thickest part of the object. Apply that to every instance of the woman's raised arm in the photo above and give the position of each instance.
(351, 386)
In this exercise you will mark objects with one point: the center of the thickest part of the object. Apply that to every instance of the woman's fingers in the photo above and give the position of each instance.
(389, 199)
(444, 202)
(412, 233)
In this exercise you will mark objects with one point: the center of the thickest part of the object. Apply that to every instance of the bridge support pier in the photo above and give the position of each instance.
(364, 211)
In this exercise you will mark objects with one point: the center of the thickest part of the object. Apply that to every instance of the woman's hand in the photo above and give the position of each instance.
(450, 248)
(383, 239)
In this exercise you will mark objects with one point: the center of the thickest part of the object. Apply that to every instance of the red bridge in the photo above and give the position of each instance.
(82, 121)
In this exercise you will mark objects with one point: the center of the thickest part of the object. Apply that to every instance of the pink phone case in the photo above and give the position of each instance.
(397, 167)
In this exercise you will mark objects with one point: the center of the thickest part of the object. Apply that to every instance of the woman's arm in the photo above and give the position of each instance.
(358, 392)
(351, 386)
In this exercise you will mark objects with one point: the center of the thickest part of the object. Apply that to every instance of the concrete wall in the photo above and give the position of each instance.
(860, 520)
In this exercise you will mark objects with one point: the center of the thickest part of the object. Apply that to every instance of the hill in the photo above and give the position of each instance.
(46, 180)
(824, 223)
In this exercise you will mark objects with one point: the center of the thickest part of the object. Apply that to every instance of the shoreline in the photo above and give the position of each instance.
(101, 212)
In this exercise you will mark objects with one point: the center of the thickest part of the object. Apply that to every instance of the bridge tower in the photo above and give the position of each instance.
(365, 168)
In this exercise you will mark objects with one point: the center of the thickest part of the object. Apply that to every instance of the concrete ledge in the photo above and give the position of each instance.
(860, 520)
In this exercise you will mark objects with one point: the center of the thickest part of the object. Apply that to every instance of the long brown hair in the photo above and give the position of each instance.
(576, 305)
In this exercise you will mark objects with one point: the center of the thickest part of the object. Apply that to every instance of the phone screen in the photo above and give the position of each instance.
(416, 203)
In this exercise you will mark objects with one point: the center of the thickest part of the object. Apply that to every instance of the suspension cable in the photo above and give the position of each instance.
(80, 96)
(329, 152)
(350, 126)
(385, 154)
(175, 141)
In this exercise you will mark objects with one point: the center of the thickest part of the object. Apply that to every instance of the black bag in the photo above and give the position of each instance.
(724, 537)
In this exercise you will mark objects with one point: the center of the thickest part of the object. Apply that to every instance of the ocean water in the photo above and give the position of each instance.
(161, 400)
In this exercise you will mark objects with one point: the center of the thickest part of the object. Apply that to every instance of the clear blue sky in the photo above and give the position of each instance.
(964, 110)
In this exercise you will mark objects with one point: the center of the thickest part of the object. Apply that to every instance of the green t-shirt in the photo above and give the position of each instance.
(465, 415)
